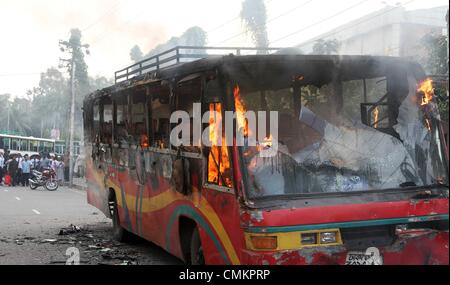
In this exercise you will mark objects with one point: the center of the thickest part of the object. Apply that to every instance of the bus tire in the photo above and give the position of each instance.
(119, 233)
(196, 249)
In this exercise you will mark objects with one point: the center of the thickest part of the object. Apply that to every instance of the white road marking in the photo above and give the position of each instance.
(17, 198)
(6, 190)
(36, 212)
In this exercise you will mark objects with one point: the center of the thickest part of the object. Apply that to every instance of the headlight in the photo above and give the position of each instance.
(328, 237)
(309, 238)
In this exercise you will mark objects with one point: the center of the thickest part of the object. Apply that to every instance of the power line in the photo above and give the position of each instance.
(231, 20)
(360, 22)
(19, 74)
(110, 11)
(270, 20)
(321, 21)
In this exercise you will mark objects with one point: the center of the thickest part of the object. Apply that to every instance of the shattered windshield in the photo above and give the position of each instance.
(344, 135)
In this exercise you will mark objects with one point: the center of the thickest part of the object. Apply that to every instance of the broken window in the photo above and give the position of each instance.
(107, 121)
(219, 165)
(138, 127)
(187, 93)
(160, 110)
(96, 122)
(121, 120)
(335, 139)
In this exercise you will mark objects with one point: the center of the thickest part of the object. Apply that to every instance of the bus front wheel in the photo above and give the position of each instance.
(196, 250)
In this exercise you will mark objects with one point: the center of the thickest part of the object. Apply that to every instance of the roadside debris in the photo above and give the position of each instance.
(69, 230)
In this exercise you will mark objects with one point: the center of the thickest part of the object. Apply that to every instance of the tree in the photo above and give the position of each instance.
(136, 54)
(435, 63)
(194, 36)
(254, 16)
(326, 47)
(435, 59)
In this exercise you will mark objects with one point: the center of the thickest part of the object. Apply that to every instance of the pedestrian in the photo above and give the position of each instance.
(45, 162)
(26, 170)
(2, 165)
(59, 170)
(13, 168)
(18, 178)
(35, 162)
(66, 166)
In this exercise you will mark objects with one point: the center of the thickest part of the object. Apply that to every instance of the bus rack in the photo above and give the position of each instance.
(180, 54)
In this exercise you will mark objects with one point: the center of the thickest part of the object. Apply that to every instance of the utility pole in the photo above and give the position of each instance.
(71, 65)
(9, 106)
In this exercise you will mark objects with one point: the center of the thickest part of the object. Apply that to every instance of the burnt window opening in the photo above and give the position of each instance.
(137, 128)
(159, 104)
(121, 119)
(219, 170)
(106, 121)
(95, 133)
(186, 94)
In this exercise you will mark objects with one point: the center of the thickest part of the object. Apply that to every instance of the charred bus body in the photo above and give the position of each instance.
(359, 176)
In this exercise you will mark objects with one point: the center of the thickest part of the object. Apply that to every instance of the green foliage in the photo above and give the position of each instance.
(254, 16)
(194, 36)
(435, 62)
(326, 47)
(47, 105)
(136, 54)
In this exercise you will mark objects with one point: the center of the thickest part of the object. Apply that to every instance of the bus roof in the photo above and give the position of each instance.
(152, 69)
(26, 138)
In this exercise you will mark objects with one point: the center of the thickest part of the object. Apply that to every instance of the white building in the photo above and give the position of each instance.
(392, 31)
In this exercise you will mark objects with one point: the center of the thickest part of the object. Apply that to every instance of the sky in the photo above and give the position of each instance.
(30, 29)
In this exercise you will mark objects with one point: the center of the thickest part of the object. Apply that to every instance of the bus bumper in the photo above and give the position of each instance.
(409, 249)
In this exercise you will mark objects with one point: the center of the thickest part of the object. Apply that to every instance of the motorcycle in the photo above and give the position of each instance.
(46, 178)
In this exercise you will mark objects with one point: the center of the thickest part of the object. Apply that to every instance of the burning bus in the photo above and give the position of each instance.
(358, 171)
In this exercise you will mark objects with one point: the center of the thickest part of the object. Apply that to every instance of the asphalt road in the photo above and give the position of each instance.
(39, 226)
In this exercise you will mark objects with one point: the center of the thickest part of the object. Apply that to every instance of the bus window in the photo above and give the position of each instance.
(24, 145)
(95, 120)
(138, 128)
(106, 129)
(219, 165)
(34, 146)
(188, 93)
(6, 143)
(160, 105)
(120, 127)
(15, 144)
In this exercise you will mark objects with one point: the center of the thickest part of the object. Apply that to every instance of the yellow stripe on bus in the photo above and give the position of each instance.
(168, 197)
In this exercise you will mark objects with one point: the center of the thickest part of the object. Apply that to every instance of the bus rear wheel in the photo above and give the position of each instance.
(196, 250)
(119, 233)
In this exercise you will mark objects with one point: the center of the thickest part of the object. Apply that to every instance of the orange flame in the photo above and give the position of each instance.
(218, 154)
(426, 87)
(376, 113)
(242, 123)
(267, 142)
(428, 124)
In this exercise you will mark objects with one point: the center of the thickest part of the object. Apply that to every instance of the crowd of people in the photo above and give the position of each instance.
(16, 170)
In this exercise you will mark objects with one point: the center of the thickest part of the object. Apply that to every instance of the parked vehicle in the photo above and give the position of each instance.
(46, 178)
(359, 173)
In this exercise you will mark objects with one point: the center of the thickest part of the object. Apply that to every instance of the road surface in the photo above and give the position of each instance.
(39, 226)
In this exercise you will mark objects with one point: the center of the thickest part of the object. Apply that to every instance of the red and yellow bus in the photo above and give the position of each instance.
(359, 175)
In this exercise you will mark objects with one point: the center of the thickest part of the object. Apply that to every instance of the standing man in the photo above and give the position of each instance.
(2, 165)
(13, 168)
(26, 169)
(18, 177)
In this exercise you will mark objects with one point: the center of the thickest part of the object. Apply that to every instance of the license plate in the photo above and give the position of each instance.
(372, 256)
